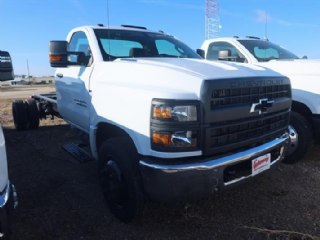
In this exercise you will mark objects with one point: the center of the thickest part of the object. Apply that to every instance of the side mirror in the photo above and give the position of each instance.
(6, 69)
(58, 54)
(224, 55)
(201, 53)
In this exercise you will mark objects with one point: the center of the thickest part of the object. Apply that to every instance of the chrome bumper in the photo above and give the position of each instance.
(202, 177)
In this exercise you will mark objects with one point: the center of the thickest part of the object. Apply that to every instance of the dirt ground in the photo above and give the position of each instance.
(60, 198)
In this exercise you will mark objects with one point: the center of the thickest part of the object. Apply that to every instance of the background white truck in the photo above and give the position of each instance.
(8, 197)
(304, 75)
(161, 122)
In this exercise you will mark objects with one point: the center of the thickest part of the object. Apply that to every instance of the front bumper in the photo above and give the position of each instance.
(8, 201)
(199, 178)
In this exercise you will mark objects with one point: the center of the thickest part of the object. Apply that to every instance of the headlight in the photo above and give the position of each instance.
(178, 139)
(175, 125)
(180, 113)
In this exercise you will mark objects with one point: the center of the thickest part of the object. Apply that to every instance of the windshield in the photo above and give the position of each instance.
(127, 44)
(265, 51)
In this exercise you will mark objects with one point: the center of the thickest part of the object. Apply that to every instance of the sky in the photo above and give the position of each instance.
(27, 26)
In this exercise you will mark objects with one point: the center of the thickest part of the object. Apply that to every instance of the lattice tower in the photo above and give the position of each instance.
(212, 19)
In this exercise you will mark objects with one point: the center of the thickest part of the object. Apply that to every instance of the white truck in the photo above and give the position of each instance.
(162, 123)
(8, 197)
(303, 73)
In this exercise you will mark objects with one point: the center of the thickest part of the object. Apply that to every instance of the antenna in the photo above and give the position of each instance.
(108, 25)
(108, 20)
(212, 19)
(29, 77)
(266, 27)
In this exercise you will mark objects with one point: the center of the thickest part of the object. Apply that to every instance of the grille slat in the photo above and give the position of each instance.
(229, 134)
(224, 97)
(231, 126)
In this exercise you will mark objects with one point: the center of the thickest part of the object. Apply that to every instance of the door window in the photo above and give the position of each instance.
(79, 43)
(233, 54)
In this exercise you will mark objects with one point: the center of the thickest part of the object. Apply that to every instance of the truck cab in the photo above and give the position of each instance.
(303, 73)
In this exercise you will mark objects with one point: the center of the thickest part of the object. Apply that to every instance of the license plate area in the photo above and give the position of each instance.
(261, 164)
(246, 169)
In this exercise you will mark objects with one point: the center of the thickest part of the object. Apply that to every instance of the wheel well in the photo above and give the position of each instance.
(106, 131)
(302, 109)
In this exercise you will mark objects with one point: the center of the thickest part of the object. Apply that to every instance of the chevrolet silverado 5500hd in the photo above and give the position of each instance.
(303, 73)
(162, 123)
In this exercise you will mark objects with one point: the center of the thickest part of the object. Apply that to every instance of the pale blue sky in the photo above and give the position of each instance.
(27, 26)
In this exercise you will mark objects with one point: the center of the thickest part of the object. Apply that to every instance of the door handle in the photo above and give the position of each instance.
(59, 75)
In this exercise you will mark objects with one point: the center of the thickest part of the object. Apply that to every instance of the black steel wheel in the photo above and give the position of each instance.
(20, 115)
(119, 178)
(33, 114)
(300, 136)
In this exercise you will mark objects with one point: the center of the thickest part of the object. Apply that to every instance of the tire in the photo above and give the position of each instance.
(120, 180)
(33, 114)
(20, 115)
(301, 138)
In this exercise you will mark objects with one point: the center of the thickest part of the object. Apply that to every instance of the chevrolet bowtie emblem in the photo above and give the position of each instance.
(261, 106)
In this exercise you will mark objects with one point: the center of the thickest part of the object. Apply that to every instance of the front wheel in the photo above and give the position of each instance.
(119, 178)
(301, 138)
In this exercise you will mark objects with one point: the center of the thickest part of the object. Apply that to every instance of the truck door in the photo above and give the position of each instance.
(73, 84)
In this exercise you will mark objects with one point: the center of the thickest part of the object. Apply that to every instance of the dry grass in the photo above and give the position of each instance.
(6, 119)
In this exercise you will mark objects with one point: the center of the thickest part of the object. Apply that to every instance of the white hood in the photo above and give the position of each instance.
(173, 74)
(207, 69)
(304, 74)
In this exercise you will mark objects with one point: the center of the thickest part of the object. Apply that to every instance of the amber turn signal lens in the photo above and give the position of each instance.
(55, 58)
(160, 112)
(161, 138)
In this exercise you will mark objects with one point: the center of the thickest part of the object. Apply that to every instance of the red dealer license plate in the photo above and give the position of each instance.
(261, 164)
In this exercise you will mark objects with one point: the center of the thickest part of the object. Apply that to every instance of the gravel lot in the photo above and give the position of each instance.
(59, 198)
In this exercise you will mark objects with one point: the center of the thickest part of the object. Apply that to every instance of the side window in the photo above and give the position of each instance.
(233, 54)
(79, 43)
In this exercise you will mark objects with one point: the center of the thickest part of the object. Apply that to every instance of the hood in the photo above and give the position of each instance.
(173, 75)
(205, 69)
(293, 67)
(303, 73)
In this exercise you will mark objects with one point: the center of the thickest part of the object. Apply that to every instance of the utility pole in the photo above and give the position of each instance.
(28, 71)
